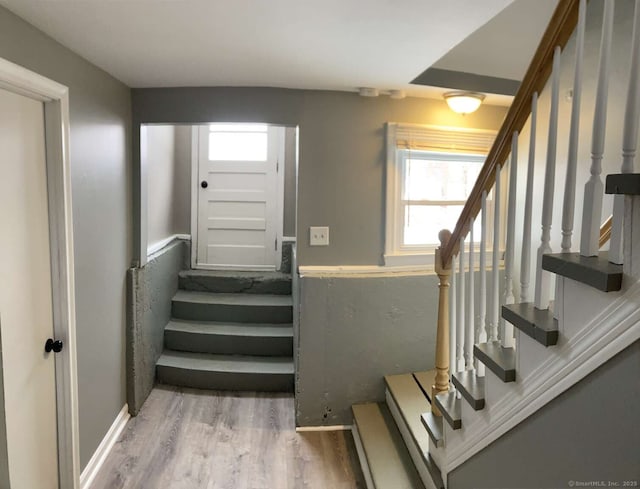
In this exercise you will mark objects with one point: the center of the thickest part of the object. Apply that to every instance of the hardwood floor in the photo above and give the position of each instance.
(193, 439)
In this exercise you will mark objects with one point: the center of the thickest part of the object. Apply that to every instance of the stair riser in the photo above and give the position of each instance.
(234, 285)
(228, 345)
(232, 381)
(231, 313)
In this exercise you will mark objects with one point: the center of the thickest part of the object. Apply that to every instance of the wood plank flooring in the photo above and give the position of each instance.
(195, 439)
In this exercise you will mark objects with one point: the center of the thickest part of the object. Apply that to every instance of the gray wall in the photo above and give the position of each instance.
(589, 433)
(355, 330)
(151, 287)
(290, 181)
(341, 145)
(167, 156)
(4, 456)
(100, 110)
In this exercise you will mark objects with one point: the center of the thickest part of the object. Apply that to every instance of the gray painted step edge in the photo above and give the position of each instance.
(246, 308)
(389, 462)
(226, 372)
(623, 184)
(471, 387)
(412, 403)
(449, 405)
(229, 338)
(595, 271)
(501, 361)
(433, 425)
(535, 323)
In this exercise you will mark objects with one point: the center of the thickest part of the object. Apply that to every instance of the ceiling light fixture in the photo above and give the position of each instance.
(464, 102)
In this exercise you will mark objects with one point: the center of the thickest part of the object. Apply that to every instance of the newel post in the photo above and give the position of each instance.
(442, 337)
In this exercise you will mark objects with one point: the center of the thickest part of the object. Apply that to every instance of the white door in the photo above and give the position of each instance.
(25, 296)
(239, 196)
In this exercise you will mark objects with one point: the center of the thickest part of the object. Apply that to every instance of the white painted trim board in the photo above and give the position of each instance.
(55, 96)
(362, 456)
(100, 455)
(610, 332)
(158, 245)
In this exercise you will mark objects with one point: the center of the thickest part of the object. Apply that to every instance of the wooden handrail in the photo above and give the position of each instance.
(605, 232)
(559, 30)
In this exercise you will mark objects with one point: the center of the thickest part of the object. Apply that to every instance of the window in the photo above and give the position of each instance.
(430, 174)
(238, 142)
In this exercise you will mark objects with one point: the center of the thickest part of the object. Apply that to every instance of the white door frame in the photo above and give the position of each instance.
(55, 97)
(195, 185)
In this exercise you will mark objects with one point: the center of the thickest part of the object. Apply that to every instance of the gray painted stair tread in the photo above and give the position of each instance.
(623, 184)
(536, 323)
(501, 361)
(426, 380)
(595, 271)
(449, 405)
(471, 387)
(231, 329)
(411, 403)
(388, 459)
(233, 299)
(234, 274)
(433, 425)
(226, 363)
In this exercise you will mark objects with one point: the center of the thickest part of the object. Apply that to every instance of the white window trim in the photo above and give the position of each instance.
(423, 137)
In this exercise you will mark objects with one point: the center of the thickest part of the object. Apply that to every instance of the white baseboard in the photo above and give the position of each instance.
(335, 427)
(91, 470)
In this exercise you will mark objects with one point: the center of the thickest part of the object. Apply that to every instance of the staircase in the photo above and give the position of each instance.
(502, 352)
(230, 331)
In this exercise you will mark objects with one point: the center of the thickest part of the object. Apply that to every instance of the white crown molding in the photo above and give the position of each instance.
(610, 332)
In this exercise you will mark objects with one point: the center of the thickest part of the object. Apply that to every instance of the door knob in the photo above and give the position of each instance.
(55, 346)
(204, 184)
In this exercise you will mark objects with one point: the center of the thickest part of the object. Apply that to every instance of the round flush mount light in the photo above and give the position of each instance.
(464, 102)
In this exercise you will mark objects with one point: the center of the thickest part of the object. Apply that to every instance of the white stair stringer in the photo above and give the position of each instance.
(542, 373)
(414, 450)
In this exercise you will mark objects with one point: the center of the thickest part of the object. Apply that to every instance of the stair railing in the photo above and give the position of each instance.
(458, 325)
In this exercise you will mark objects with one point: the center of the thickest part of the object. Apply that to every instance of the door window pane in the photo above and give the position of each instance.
(238, 142)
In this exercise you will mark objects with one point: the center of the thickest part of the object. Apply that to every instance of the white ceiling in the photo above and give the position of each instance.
(315, 44)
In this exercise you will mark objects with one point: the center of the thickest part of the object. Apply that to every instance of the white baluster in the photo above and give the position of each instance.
(470, 327)
(525, 265)
(460, 314)
(482, 306)
(629, 139)
(572, 159)
(594, 189)
(453, 361)
(544, 278)
(462, 285)
(495, 264)
(507, 327)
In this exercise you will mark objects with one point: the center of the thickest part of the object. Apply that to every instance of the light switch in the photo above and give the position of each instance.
(319, 236)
